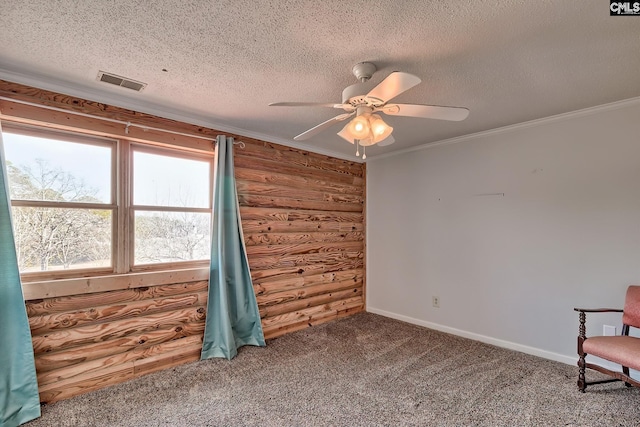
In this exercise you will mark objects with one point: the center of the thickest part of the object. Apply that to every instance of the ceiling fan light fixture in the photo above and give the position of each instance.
(358, 128)
(368, 129)
(344, 134)
(379, 128)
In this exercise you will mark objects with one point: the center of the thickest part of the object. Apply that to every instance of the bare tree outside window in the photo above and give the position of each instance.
(50, 237)
(66, 205)
(62, 208)
(171, 236)
(171, 203)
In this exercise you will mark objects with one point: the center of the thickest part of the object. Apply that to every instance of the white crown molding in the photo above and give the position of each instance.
(84, 92)
(57, 85)
(518, 126)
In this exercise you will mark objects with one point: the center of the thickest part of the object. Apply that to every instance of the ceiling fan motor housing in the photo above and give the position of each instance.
(353, 91)
(356, 94)
(363, 71)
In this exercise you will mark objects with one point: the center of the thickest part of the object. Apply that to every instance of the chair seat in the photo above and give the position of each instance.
(623, 349)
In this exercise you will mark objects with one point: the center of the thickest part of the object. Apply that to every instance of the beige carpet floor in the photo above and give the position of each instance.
(365, 370)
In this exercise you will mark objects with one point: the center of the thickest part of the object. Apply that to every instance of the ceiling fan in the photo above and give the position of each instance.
(367, 127)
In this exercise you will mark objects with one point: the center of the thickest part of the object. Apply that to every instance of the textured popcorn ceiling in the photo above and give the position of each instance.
(507, 61)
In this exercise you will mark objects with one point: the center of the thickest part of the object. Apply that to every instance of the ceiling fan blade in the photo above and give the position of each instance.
(395, 83)
(387, 141)
(322, 126)
(454, 114)
(308, 104)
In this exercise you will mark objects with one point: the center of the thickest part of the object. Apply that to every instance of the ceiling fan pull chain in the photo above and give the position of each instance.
(357, 148)
(364, 152)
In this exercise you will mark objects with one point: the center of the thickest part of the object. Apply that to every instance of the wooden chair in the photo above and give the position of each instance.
(620, 349)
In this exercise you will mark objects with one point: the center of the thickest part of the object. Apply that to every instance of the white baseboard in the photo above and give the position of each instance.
(569, 360)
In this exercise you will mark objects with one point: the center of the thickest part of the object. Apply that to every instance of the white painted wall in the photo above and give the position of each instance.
(509, 269)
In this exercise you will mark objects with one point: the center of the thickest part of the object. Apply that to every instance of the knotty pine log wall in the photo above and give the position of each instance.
(303, 220)
(86, 342)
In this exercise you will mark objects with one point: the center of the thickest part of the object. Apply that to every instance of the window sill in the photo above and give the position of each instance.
(112, 282)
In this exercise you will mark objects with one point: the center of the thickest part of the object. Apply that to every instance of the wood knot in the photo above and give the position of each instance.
(201, 310)
(178, 329)
(142, 341)
(300, 271)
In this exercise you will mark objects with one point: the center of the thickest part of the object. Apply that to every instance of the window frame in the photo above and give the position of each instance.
(77, 138)
(134, 147)
(121, 203)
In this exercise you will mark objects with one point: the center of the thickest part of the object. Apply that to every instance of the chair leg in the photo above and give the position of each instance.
(582, 382)
(625, 370)
(582, 335)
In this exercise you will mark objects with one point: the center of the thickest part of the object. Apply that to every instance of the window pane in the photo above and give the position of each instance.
(59, 239)
(171, 237)
(160, 180)
(54, 170)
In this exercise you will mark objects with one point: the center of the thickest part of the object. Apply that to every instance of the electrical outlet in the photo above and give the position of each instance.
(608, 330)
(436, 302)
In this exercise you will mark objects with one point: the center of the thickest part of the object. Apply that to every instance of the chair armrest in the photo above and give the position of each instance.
(582, 329)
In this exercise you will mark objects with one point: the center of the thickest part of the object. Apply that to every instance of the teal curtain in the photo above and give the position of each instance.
(233, 319)
(19, 401)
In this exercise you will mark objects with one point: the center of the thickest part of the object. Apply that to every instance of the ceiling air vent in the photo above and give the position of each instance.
(120, 81)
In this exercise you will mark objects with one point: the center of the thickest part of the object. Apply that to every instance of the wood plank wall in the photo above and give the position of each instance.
(303, 221)
(86, 342)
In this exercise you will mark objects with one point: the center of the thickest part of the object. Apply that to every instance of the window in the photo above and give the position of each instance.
(171, 206)
(85, 205)
(63, 201)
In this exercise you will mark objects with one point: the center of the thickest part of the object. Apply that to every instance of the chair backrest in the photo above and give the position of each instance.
(631, 315)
